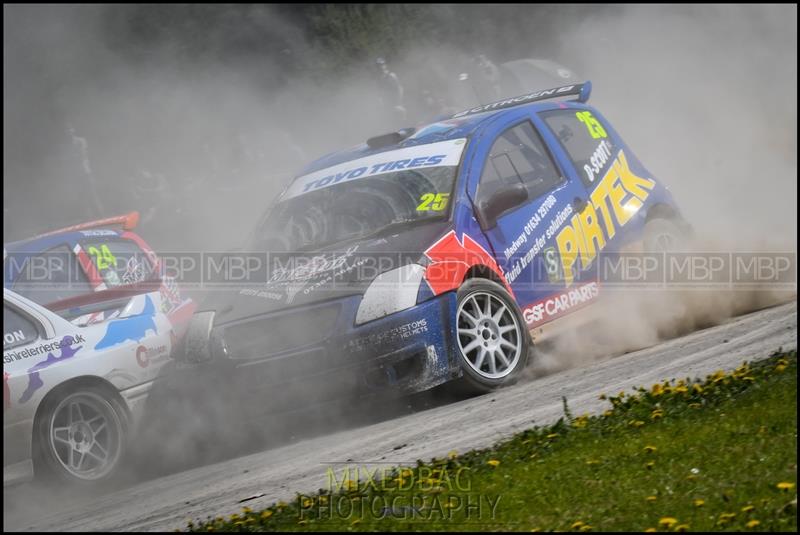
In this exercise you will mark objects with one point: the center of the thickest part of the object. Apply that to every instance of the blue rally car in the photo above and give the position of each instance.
(430, 255)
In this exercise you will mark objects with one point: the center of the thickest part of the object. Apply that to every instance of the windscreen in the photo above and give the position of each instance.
(363, 198)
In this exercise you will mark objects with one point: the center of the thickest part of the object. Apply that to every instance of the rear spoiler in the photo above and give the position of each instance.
(128, 222)
(581, 90)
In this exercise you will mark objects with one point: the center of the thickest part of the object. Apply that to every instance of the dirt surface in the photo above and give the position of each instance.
(167, 502)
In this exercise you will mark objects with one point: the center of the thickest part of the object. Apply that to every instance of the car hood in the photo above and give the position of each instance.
(301, 278)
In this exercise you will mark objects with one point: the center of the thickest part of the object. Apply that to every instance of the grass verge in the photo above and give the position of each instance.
(717, 454)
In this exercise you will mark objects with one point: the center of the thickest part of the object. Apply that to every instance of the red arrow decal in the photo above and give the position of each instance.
(451, 259)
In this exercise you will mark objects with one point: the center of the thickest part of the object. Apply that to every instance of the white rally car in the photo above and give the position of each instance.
(90, 319)
(73, 394)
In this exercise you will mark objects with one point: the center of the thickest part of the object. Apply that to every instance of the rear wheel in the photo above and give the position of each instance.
(663, 235)
(492, 338)
(82, 436)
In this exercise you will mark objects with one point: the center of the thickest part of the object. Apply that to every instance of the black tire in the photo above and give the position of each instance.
(480, 379)
(664, 235)
(102, 412)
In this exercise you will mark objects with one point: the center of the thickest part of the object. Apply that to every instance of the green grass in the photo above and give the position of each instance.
(713, 454)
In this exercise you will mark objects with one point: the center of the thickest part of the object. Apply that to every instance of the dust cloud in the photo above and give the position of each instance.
(705, 96)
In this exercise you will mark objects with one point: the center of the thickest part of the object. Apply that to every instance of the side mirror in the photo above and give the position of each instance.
(500, 201)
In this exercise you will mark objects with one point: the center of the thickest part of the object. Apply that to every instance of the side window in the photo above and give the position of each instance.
(119, 262)
(585, 139)
(17, 328)
(519, 156)
(52, 276)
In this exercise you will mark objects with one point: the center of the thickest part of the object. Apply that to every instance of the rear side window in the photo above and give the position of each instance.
(18, 329)
(585, 139)
(119, 262)
(52, 276)
(519, 156)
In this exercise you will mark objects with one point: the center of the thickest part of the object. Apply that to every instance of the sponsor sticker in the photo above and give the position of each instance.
(559, 304)
(441, 154)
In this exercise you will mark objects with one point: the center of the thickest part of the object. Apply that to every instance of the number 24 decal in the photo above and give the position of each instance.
(430, 201)
(104, 258)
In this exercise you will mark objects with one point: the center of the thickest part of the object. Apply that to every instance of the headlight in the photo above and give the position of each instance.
(390, 292)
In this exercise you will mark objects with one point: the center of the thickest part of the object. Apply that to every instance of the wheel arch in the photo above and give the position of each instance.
(481, 271)
(661, 211)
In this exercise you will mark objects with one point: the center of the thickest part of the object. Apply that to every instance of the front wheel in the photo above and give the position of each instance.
(492, 338)
(82, 436)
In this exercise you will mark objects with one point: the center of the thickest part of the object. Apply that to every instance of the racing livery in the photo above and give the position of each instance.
(429, 255)
(89, 322)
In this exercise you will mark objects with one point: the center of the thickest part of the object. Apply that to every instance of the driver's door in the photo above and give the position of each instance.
(523, 239)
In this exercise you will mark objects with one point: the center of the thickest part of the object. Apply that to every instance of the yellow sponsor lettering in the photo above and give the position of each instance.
(592, 234)
(583, 237)
(568, 248)
(635, 184)
(598, 198)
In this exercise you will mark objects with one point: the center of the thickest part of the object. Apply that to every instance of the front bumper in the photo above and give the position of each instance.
(319, 355)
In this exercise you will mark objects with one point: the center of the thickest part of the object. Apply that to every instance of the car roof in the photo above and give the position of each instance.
(43, 243)
(460, 125)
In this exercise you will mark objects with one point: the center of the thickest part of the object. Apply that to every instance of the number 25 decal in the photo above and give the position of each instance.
(596, 130)
(436, 202)
(104, 258)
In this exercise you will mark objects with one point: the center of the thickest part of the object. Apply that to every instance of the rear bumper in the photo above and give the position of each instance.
(406, 352)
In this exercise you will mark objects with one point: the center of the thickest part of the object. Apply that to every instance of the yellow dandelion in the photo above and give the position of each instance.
(307, 503)
(667, 521)
(752, 524)
(682, 527)
(592, 462)
(657, 389)
(699, 502)
(266, 514)
(650, 530)
(697, 389)
(650, 449)
(636, 423)
(724, 518)
(651, 498)
(493, 462)
(747, 508)
(586, 527)
(779, 368)
(784, 486)
(608, 413)
(551, 436)
(650, 465)
(717, 376)
(577, 524)
(656, 414)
